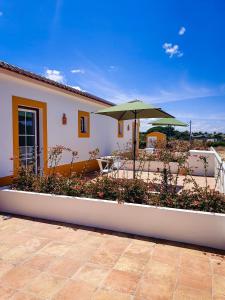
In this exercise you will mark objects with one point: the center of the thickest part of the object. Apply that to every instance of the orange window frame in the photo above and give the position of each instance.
(42, 106)
(83, 114)
(120, 125)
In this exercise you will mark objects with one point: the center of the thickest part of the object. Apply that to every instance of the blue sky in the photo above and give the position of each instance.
(169, 53)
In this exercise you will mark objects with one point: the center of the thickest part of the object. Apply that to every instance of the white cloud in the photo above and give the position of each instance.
(76, 71)
(182, 30)
(54, 75)
(172, 50)
(96, 82)
(207, 125)
(113, 68)
(77, 87)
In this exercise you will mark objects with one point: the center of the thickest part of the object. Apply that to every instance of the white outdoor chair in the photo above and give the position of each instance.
(104, 165)
(150, 150)
(116, 165)
(108, 164)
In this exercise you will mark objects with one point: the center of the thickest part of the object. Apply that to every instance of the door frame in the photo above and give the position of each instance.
(42, 108)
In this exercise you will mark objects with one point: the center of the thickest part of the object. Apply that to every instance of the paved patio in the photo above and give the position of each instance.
(200, 180)
(44, 260)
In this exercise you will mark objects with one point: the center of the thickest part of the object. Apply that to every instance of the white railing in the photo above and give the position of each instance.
(219, 172)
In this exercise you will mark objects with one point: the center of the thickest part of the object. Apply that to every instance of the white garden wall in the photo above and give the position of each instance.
(194, 163)
(197, 165)
(219, 170)
(206, 229)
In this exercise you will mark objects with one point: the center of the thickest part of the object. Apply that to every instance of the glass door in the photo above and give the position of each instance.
(28, 138)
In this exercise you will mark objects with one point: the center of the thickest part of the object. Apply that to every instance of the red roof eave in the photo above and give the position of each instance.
(17, 70)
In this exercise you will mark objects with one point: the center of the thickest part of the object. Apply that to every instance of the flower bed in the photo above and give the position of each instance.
(136, 191)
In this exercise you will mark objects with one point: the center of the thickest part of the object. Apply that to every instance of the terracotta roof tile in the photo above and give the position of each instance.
(15, 69)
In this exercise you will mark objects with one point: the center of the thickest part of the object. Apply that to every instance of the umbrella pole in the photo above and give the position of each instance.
(135, 143)
(190, 133)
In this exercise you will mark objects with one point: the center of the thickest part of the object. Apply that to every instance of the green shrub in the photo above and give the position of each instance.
(134, 191)
(103, 188)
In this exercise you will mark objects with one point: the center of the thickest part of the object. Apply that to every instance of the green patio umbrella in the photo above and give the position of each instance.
(134, 110)
(168, 122)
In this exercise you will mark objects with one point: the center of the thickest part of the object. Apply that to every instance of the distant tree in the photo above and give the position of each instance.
(172, 133)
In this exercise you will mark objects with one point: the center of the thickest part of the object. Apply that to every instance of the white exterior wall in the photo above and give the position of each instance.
(103, 130)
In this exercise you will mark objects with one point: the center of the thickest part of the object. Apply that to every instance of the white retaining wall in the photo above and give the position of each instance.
(206, 229)
(219, 170)
(197, 165)
(194, 162)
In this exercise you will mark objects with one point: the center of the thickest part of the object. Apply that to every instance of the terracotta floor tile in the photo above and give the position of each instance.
(91, 274)
(110, 295)
(91, 241)
(55, 248)
(45, 285)
(4, 267)
(35, 243)
(219, 298)
(50, 232)
(18, 277)
(186, 293)
(196, 263)
(164, 272)
(3, 249)
(5, 292)
(80, 253)
(75, 290)
(219, 267)
(194, 251)
(16, 239)
(65, 267)
(131, 262)
(23, 296)
(104, 257)
(195, 280)
(139, 249)
(116, 244)
(166, 255)
(154, 289)
(16, 255)
(121, 281)
(170, 247)
(40, 261)
(74, 236)
(144, 242)
(218, 285)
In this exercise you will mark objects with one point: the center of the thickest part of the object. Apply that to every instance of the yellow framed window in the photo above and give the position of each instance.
(120, 129)
(83, 124)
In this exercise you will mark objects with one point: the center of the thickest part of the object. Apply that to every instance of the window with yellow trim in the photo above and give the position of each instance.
(83, 124)
(120, 129)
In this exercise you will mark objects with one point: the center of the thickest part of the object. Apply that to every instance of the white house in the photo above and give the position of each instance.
(38, 113)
